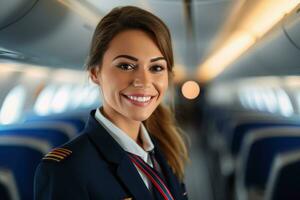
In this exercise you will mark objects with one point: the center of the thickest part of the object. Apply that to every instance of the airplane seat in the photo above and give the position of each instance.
(54, 137)
(233, 136)
(56, 133)
(284, 179)
(4, 193)
(242, 130)
(258, 152)
(21, 156)
(77, 120)
(8, 188)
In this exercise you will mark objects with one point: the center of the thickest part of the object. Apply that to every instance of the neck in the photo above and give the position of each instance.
(130, 127)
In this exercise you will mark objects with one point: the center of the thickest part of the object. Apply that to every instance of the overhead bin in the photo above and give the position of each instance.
(50, 33)
(280, 55)
(248, 64)
(13, 10)
(277, 53)
(292, 27)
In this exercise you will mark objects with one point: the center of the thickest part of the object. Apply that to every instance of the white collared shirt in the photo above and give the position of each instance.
(127, 143)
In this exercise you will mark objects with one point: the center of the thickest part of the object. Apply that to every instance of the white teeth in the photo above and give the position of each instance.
(139, 99)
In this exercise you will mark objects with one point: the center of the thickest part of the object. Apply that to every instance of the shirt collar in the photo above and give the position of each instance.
(126, 142)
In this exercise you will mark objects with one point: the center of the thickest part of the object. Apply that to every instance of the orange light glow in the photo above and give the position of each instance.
(265, 15)
(190, 90)
(258, 20)
(81, 9)
(232, 49)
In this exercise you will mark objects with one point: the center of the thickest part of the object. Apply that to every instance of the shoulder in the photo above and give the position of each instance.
(60, 168)
(76, 153)
(73, 160)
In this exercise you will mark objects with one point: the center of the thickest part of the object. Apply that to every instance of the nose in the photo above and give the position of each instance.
(142, 78)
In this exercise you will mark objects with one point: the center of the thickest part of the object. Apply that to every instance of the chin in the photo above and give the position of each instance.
(140, 117)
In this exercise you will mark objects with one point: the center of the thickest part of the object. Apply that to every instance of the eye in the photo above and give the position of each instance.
(157, 68)
(126, 66)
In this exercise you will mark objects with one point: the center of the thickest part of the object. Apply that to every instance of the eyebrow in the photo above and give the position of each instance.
(135, 59)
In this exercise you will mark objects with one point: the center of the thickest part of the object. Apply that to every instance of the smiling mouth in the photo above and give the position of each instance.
(139, 100)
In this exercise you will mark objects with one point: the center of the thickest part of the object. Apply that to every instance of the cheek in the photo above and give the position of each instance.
(113, 84)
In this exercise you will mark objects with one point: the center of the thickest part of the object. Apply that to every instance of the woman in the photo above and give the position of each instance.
(130, 148)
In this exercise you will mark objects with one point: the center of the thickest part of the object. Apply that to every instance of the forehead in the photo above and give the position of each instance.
(133, 42)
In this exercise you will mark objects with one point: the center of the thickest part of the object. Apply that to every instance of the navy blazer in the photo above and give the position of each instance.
(98, 168)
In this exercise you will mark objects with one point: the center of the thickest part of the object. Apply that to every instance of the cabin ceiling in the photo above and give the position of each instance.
(194, 25)
(57, 34)
(49, 39)
(275, 53)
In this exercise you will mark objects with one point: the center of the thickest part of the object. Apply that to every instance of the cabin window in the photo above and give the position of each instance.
(61, 99)
(42, 105)
(298, 101)
(285, 105)
(92, 97)
(78, 96)
(12, 106)
(270, 100)
(84, 96)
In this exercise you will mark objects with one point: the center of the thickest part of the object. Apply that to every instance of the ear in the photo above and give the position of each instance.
(94, 73)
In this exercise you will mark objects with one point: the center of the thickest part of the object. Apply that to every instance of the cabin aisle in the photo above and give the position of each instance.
(197, 175)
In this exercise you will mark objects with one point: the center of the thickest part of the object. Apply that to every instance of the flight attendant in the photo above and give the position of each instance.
(130, 147)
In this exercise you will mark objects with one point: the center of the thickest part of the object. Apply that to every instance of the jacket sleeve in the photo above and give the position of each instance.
(53, 182)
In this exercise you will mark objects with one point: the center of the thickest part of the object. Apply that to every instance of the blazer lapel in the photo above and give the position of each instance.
(129, 175)
(171, 179)
(114, 154)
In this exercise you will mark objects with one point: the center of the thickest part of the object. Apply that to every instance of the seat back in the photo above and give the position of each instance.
(259, 149)
(284, 180)
(242, 130)
(56, 133)
(76, 120)
(8, 187)
(21, 156)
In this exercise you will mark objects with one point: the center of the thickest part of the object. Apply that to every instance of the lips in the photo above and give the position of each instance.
(139, 99)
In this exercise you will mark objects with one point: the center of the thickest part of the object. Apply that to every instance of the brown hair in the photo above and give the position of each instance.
(161, 124)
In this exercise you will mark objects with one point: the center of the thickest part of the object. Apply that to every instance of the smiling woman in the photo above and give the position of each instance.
(133, 79)
(131, 147)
